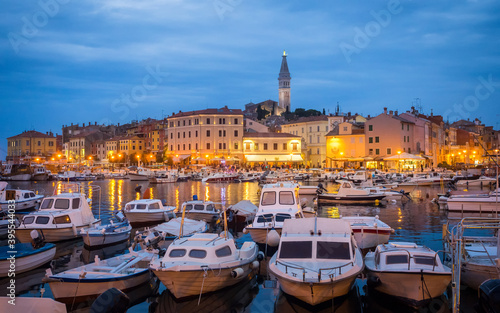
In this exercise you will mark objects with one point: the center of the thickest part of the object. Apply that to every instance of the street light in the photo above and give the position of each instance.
(399, 161)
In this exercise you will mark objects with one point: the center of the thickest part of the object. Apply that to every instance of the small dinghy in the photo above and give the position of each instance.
(122, 272)
(102, 235)
(26, 256)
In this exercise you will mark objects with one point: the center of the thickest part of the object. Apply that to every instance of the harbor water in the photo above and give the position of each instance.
(417, 220)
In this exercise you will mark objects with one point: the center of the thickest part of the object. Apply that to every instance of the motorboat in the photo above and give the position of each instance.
(479, 203)
(482, 181)
(17, 198)
(122, 272)
(142, 174)
(308, 190)
(411, 273)
(272, 177)
(200, 210)
(163, 178)
(102, 235)
(278, 202)
(175, 228)
(5, 221)
(60, 217)
(317, 259)
(148, 211)
(204, 263)
(25, 256)
(249, 177)
(40, 173)
(240, 214)
(21, 172)
(32, 305)
(347, 192)
(220, 178)
(369, 231)
(480, 262)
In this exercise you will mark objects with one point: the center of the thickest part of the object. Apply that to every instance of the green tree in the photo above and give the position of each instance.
(261, 113)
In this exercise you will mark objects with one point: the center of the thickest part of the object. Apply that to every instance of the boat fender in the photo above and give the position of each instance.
(112, 300)
(75, 232)
(245, 230)
(260, 256)
(273, 238)
(237, 272)
(254, 265)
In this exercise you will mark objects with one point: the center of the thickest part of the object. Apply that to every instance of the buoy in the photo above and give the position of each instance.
(273, 238)
(377, 202)
(245, 230)
(75, 232)
(237, 272)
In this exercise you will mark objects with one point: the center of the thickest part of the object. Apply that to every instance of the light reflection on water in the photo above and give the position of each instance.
(417, 221)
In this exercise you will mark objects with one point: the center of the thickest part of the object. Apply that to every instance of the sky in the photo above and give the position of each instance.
(67, 61)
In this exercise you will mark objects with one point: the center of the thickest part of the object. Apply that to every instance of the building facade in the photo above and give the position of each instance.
(346, 144)
(210, 133)
(31, 143)
(272, 149)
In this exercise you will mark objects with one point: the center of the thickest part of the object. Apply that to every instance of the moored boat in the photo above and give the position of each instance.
(20, 199)
(25, 257)
(317, 259)
(349, 193)
(411, 273)
(369, 231)
(204, 263)
(475, 202)
(148, 211)
(200, 210)
(101, 235)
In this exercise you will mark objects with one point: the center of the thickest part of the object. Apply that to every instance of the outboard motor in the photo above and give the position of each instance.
(36, 240)
(489, 296)
(153, 239)
(138, 188)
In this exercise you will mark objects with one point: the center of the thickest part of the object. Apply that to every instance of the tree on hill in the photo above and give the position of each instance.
(299, 112)
(261, 113)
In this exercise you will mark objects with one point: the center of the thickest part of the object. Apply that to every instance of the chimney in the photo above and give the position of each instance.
(390, 112)
(412, 109)
(431, 113)
(396, 112)
(95, 123)
(71, 124)
(348, 113)
(368, 116)
(385, 110)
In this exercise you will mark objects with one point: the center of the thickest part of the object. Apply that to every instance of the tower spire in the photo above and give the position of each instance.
(284, 84)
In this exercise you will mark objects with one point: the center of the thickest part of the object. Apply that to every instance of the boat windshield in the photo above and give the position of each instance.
(269, 198)
(424, 260)
(281, 217)
(61, 204)
(199, 207)
(397, 259)
(154, 206)
(333, 250)
(47, 203)
(264, 218)
(287, 198)
(296, 250)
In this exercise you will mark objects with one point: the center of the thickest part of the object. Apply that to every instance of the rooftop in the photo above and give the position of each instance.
(224, 110)
(31, 134)
(268, 135)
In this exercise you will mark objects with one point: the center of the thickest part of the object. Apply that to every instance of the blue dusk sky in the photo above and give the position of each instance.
(114, 61)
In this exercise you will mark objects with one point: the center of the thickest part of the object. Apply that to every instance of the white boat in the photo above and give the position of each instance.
(101, 235)
(40, 173)
(26, 257)
(482, 181)
(200, 210)
(369, 231)
(278, 202)
(172, 229)
(142, 174)
(204, 263)
(122, 272)
(249, 177)
(349, 193)
(20, 172)
(220, 178)
(478, 203)
(21, 199)
(411, 273)
(317, 259)
(148, 211)
(163, 178)
(308, 190)
(60, 217)
(272, 177)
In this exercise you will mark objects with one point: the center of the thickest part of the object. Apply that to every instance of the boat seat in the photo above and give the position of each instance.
(103, 268)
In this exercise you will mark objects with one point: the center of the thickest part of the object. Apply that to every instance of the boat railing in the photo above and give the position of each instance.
(294, 267)
(333, 269)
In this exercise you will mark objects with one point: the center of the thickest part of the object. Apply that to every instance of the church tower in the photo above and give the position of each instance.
(284, 85)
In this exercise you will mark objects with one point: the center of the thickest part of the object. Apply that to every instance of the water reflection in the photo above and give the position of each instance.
(233, 299)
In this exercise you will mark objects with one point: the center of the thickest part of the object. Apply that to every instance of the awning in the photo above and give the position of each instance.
(199, 159)
(181, 157)
(273, 158)
(404, 156)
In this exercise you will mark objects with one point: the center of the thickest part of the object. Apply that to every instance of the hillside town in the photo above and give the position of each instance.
(268, 134)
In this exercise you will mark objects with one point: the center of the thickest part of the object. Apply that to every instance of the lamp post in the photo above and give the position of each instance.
(343, 161)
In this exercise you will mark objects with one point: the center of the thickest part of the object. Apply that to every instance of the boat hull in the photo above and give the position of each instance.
(20, 205)
(50, 234)
(207, 217)
(192, 283)
(352, 199)
(259, 235)
(93, 240)
(27, 263)
(315, 293)
(473, 275)
(146, 217)
(409, 287)
(67, 291)
(371, 237)
(137, 177)
(463, 205)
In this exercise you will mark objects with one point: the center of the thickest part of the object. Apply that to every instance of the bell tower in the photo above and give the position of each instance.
(284, 85)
